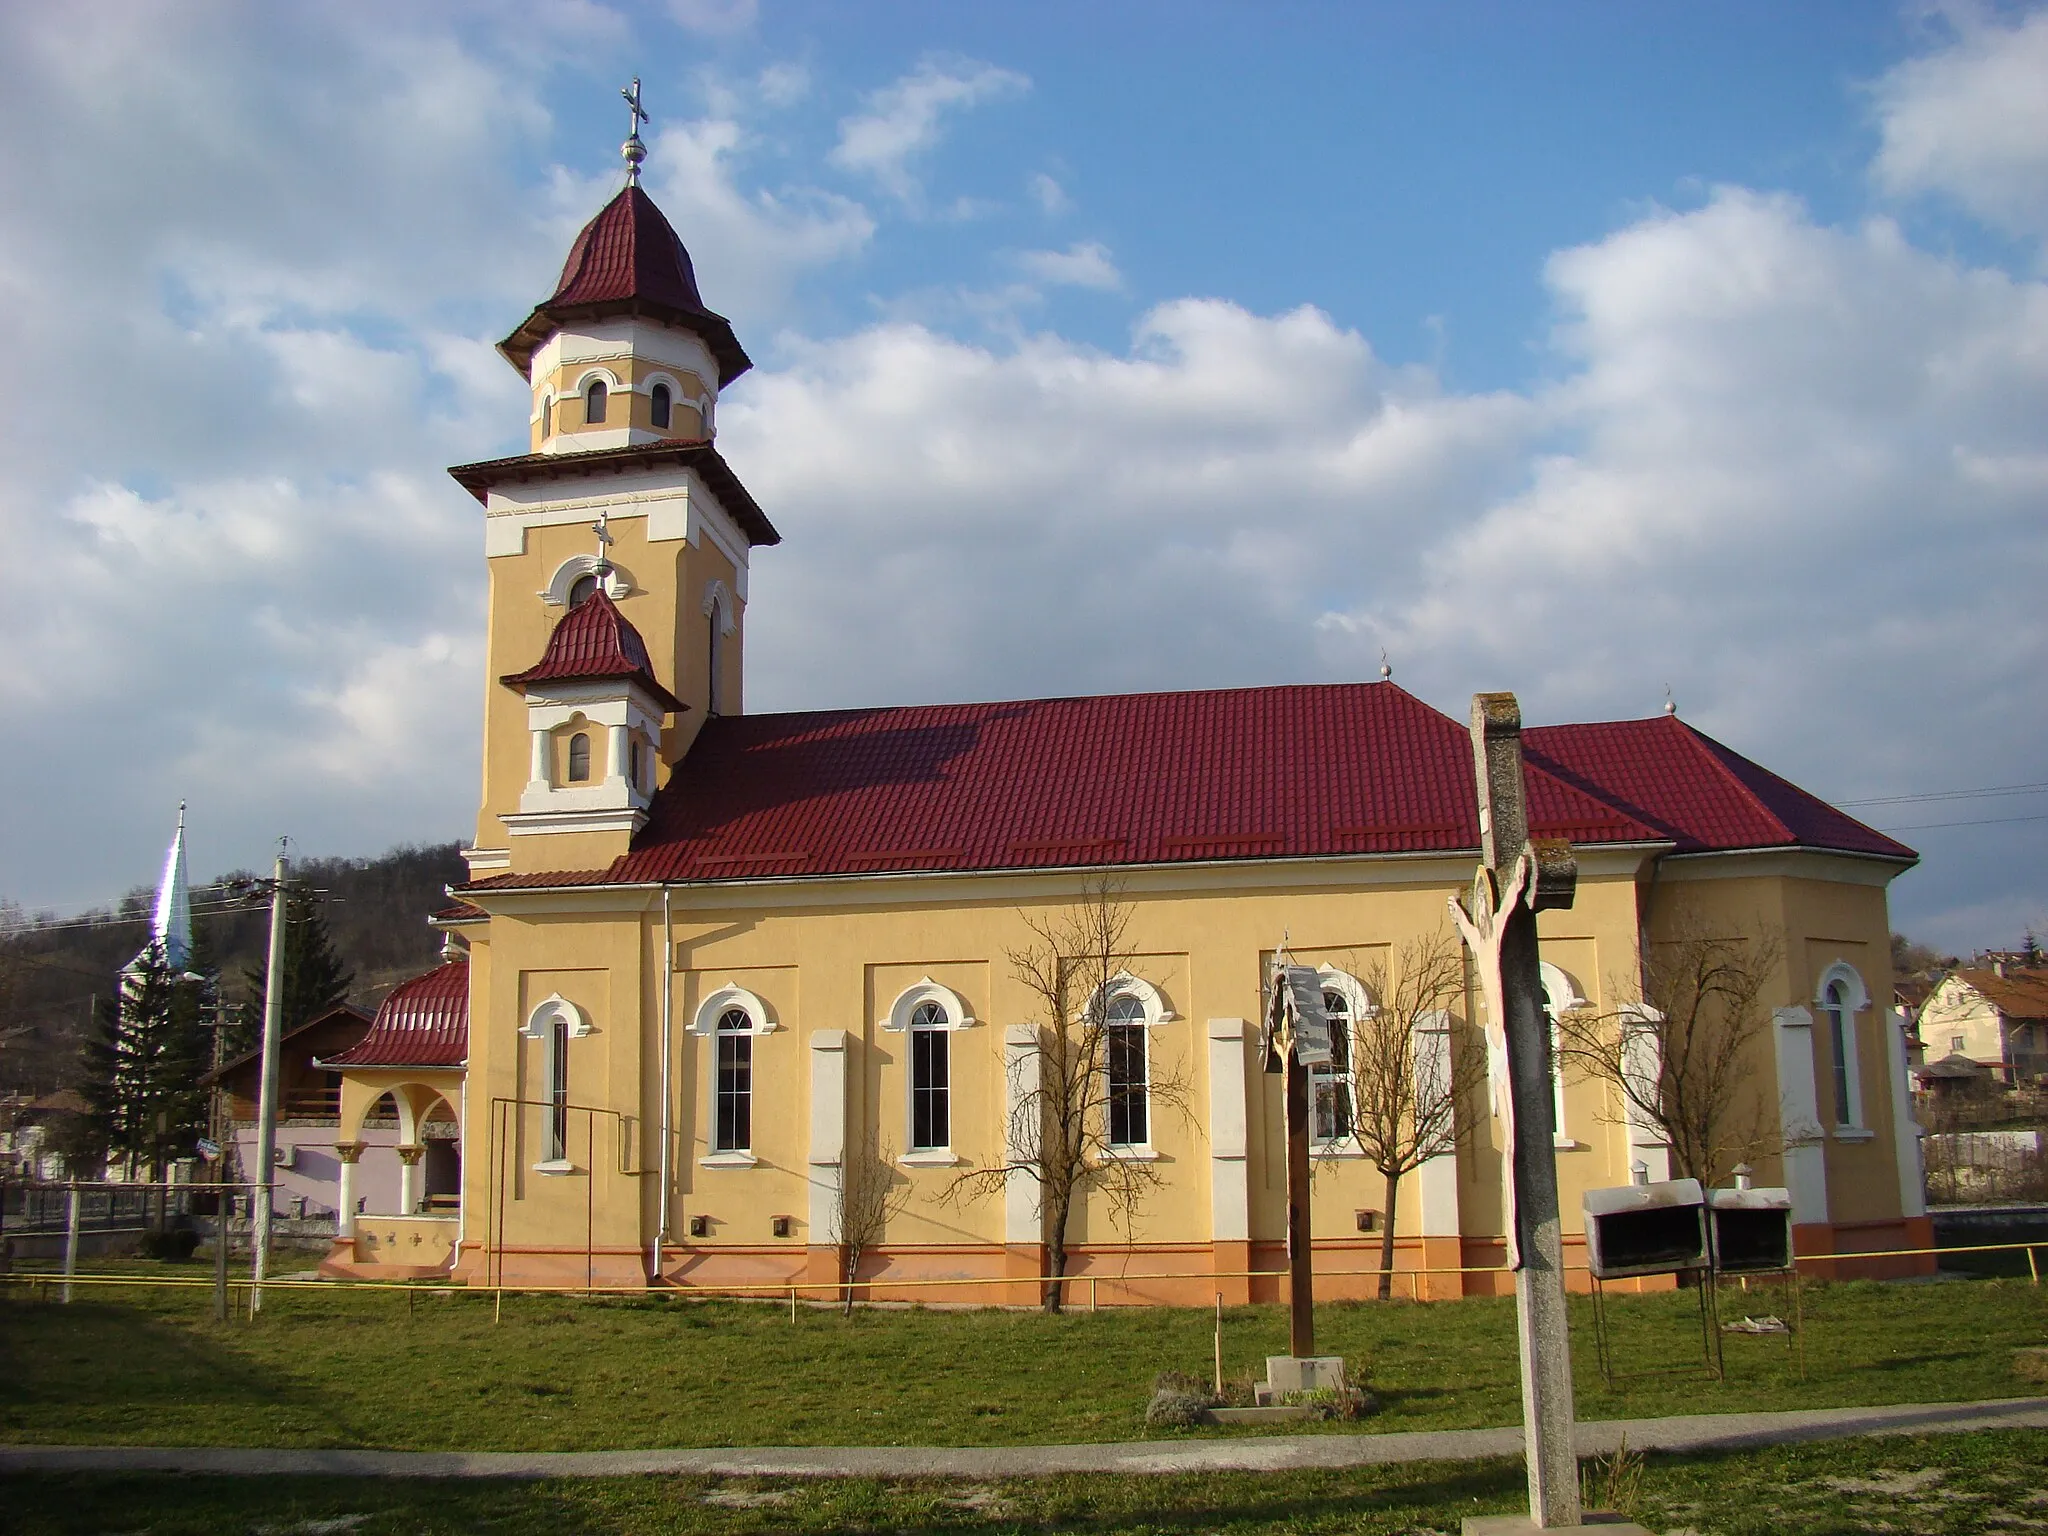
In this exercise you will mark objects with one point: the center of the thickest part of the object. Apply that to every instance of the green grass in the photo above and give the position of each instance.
(328, 1367)
(1941, 1485)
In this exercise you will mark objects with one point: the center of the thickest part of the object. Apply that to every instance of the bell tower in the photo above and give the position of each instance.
(625, 364)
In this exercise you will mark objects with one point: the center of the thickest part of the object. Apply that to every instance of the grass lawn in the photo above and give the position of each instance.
(1940, 1485)
(326, 1367)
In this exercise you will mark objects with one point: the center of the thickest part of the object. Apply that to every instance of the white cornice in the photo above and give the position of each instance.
(1868, 869)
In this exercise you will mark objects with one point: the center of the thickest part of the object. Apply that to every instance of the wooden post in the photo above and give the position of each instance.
(1301, 1299)
(1516, 879)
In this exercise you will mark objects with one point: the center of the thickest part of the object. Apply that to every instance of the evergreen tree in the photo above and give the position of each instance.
(314, 977)
(142, 1065)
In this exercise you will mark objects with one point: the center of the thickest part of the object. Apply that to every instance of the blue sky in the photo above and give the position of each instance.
(1580, 349)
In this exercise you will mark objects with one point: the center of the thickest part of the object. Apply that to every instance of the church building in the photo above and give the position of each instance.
(709, 962)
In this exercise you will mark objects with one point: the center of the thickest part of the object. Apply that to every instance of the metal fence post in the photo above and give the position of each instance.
(70, 1241)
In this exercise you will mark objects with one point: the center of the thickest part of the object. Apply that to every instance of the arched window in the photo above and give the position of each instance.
(634, 764)
(715, 649)
(558, 1087)
(1330, 1085)
(594, 403)
(1124, 1047)
(1560, 996)
(547, 415)
(579, 758)
(1841, 1043)
(582, 589)
(734, 1130)
(660, 405)
(931, 1087)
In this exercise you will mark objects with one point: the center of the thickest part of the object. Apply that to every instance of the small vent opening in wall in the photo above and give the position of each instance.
(782, 1226)
(700, 1226)
(1368, 1221)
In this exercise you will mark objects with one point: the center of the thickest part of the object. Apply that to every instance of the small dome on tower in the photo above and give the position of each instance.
(628, 261)
(595, 642)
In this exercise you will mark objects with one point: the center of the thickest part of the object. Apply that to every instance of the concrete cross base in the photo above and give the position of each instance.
(1603, 1522)
(1299, 1373)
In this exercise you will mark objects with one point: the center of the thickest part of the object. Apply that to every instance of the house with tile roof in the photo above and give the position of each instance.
(715, 959)
(1995, 1016)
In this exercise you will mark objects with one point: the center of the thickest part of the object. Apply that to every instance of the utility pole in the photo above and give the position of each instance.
(266, 1104)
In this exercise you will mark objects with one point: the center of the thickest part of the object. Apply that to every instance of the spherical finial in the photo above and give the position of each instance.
(1386, 671)
(1670, 704)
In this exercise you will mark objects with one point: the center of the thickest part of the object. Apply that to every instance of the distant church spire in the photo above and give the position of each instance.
(170, 935)
(633, 149)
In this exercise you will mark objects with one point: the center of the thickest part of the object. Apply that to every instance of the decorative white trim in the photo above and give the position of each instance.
(951, 1004)
(1229, 1185)
(1361, 1007)
(1134, 1152)
(1853, 1133)
(1149, 997)
(677, 508)
(1642, 1059)
(732, 995)
(719, 601)
(627, 819)
(536, 1026)
(1023, 1073)
(930, 1157)
(613, 385)
(827, 1156)
(1436, 1179)
(618, 580)
(487, 858)
(1843, 971)
(1806, 1173)
(1560, 996)
(728, 1160)
(554, 1167)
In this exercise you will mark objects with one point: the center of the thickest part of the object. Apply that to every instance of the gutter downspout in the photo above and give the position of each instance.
(667, 983)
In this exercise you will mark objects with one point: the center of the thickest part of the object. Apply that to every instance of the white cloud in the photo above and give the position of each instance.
(904, 120)
(1081, 265)
(717, 18)
(1971, 121)
(784, 85)
(1050, 196)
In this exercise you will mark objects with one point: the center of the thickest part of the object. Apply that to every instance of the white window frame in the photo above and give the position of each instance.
(1844, 1074)
(1359, 1002)
(1560, 996)
(618, 581)
(954, 1015)
(554, 1022)
(1153, 1012)
(704, 1022)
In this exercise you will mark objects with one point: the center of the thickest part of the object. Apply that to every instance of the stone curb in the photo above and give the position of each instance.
(1701, 1432)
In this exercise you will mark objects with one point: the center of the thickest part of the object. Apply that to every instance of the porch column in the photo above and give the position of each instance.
(409, 1179)
(1436, 1181)
(1806, 1169)
(350, 1153)
(1230, 1228)
(827, 1157)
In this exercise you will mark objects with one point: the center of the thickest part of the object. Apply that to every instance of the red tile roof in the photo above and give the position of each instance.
(424, 1022)
(1160, 778)
(2018, 994)
(594, 641)
(1703, 796)
(676, 453)
(628, 260)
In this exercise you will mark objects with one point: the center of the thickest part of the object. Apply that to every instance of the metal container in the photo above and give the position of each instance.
(1646, 1229)
(1752, 1230)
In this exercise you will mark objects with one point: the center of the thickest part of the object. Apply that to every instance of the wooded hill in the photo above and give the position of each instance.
(52, 969)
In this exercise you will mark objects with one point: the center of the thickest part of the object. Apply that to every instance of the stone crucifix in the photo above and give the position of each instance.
(1516, 879)
(1297, 1038)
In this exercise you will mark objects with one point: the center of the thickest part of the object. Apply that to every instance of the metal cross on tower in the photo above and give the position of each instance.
(602, 528)
(1516, 879)
(633, 149)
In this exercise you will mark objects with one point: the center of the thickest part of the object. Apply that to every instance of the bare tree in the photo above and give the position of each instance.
(1089, 1083)
(1682, 1057)
(870, 1194)
(1402, 1103)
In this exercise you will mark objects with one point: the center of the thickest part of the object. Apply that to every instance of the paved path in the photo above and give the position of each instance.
(1702, 1432)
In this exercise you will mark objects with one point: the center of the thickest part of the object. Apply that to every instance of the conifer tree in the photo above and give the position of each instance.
(142, 1065)
(315, 978)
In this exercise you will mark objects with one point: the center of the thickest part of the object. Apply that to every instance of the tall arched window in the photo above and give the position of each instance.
(660, 405)
(931, 1087)
(734, 1130)
(558, 1087)
(547, 415)
(635, 764)
(1124, 1045)
(715, 650)
(1330, 1085)
(579, 758)
(582, 589)
(594, 403)
(1560, 996)
(1841, 1042)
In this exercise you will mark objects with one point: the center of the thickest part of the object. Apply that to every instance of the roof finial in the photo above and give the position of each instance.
(603, 531)
(1386, 668)
(1670, 704)
(633, 149)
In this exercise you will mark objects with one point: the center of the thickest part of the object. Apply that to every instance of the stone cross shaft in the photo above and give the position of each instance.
(1297, 1038)
(1517, 878)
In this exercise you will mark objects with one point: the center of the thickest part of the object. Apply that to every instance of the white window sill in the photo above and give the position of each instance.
(1853, 1133)
(1335, 1149)
(1563, 1143)
(1144, 1153)
(930, 1157)
(728, 1160)
(555, 1167)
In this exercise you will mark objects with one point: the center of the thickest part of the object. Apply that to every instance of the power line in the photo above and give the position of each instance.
(1951, 794)
(1987, 821)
